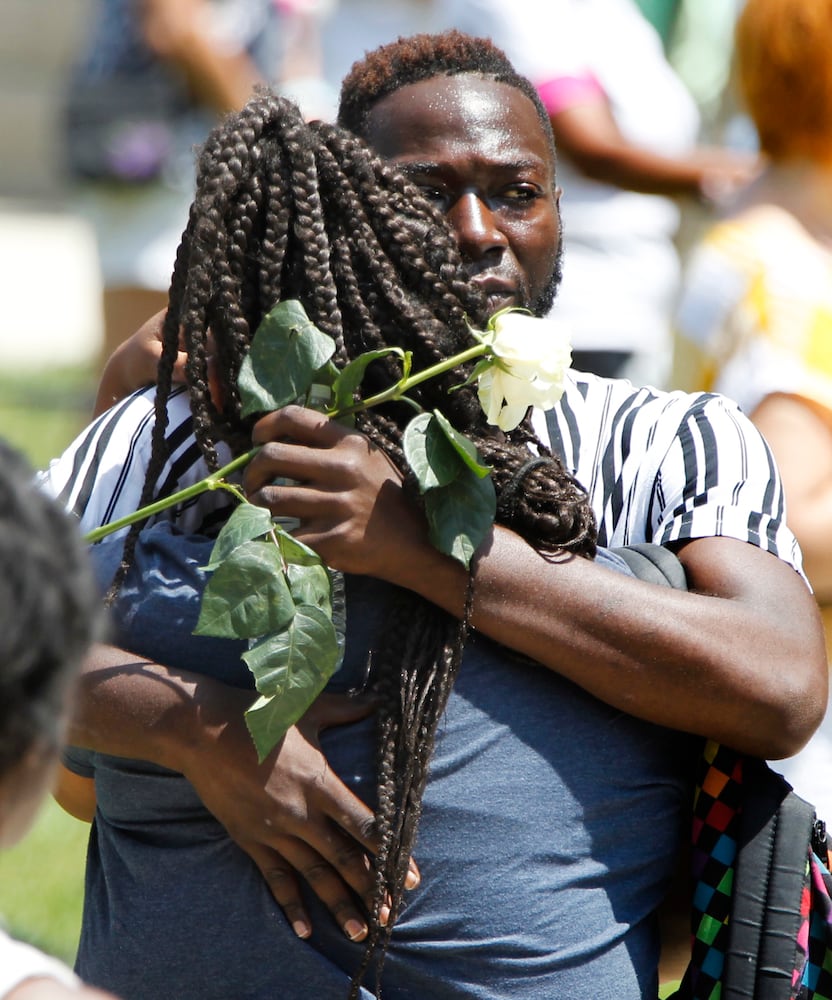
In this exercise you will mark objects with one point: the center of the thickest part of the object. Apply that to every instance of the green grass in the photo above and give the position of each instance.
(41, 879)
(42, 883)
(41, 412)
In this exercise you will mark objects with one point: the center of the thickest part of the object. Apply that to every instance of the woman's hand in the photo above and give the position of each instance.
(291, 813)
(346, 492)
(134, 364)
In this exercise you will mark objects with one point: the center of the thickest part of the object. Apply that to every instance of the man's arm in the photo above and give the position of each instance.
(290, 813)
(740, 658)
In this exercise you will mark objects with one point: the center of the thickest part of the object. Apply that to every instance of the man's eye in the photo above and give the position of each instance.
(520, 192)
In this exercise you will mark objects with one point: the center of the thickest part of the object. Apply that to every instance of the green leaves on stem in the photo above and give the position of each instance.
(271, 589)
(460, 502)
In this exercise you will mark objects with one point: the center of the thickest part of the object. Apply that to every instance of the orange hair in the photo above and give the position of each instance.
(784, 73)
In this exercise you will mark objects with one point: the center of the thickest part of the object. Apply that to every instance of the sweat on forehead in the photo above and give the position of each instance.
(422, 57)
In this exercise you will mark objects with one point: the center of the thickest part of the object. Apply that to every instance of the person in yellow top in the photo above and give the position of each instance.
(755, 318)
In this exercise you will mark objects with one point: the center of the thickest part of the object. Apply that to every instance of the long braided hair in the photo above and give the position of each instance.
(289, 209)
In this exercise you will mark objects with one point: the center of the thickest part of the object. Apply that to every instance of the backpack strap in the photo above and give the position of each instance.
(654, 564)
(772, 870)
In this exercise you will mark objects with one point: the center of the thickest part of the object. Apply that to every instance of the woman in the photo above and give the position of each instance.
(755, 318)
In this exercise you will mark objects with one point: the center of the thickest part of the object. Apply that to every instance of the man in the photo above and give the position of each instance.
(723, 661)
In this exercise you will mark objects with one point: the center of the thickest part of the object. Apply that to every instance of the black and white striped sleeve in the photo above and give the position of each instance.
(100, 476)
(719, 477)
(669, 466)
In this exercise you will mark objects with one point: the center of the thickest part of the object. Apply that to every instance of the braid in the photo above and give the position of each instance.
(286, 209)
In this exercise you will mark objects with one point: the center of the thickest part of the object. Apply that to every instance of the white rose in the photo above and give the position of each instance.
(531, 357)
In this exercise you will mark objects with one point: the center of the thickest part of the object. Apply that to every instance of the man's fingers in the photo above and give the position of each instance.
(353, 827)
(282, 872)
(300, 424)
(341, 850)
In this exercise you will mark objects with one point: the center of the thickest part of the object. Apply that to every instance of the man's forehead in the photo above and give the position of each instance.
(448, 114)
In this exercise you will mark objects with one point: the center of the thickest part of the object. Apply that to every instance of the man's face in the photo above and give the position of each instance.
(477, 149)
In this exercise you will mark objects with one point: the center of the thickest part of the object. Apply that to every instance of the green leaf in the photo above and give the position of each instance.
(347, 383)
(310, 585)
(286, 352)
(466, 449)
(290, 670)
(267, 721)
(429, 453)
(247, 522)
(481, 366)
(327, 374)
(295, 657)
(248, 595)
(460, 515)
(296, 551)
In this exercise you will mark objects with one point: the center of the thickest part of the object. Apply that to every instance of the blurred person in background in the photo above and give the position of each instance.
(153, 77)
(626, 130)
(755, 317)
(333, 34)
(700, 48)
(49, 607)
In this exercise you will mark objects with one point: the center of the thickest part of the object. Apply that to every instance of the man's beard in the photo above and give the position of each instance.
(544, 301)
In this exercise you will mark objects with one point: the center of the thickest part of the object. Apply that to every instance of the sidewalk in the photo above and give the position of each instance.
(51, 295)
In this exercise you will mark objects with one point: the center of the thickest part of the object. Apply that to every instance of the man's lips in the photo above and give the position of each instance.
(499, 292)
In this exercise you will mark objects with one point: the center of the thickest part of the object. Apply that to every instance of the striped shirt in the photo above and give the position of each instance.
(658, 466)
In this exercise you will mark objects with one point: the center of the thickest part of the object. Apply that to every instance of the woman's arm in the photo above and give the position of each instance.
(75, 794)
(133, 365)
(800, 436)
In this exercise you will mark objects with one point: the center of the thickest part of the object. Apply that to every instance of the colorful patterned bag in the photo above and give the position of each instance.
(761, 911)
(761, 916)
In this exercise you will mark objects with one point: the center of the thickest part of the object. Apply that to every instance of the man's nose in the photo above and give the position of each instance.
(475, 227)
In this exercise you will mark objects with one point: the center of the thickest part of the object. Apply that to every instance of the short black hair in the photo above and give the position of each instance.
(423, 57)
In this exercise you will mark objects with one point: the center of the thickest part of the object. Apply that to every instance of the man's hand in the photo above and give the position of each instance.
(133, 365)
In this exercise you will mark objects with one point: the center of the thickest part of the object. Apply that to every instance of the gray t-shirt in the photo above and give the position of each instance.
(551, 826)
